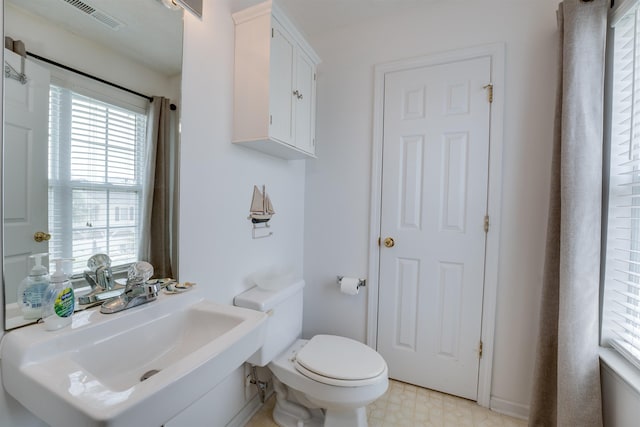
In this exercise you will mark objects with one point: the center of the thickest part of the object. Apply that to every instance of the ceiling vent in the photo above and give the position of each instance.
(96, 14)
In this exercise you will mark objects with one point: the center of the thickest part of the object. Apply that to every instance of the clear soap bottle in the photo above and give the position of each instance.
(59, 300)
(32, 289)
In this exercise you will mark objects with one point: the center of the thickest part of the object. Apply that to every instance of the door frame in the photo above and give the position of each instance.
(496, 52)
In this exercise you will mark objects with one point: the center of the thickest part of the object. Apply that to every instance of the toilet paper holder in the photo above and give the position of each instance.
(361, 282)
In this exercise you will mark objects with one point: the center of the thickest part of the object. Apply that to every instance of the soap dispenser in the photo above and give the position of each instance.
(59, 300)
(32, 289)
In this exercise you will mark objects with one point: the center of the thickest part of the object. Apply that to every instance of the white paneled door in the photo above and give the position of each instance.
(25, 168)
(434, 202)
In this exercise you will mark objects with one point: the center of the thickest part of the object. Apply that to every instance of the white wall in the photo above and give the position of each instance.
(338, 182)
(217, 178)
(620, 400)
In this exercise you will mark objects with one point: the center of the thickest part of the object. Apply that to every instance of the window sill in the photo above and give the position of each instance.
(622, 367)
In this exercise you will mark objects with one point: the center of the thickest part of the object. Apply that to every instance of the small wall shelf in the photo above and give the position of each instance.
(260, 213)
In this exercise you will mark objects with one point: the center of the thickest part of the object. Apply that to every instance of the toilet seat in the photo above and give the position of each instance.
(339, 361)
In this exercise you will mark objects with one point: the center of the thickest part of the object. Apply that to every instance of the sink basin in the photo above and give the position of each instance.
(139, 367)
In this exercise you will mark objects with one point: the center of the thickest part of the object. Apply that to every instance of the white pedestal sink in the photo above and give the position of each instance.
(139, 367)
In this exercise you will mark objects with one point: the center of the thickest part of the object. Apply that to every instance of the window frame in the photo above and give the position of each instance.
(109, 95)
(616, 15)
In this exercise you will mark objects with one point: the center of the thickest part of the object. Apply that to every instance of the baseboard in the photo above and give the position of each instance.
(516, 410)
(245, 414)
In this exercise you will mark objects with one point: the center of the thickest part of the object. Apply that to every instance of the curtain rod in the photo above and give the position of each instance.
(82, 73)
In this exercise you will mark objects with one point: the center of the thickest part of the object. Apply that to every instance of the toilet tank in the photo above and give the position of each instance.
(284, 324)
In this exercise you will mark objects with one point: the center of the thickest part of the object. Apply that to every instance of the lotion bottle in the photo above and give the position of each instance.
(32, 289)
(59, 300)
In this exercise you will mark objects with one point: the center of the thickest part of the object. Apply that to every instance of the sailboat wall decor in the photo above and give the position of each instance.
(261, 211)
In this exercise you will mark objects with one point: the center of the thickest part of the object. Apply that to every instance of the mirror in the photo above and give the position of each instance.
(136, 45)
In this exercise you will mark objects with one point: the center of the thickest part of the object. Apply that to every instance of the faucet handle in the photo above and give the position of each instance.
(97, 261)
(99, 273)
(139, 272)
(90, 280)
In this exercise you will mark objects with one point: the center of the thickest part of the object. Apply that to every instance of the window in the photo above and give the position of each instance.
(96, 173)
(621, 298)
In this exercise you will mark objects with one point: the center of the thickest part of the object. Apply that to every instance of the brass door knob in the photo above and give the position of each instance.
(389, 242)
(41, 236)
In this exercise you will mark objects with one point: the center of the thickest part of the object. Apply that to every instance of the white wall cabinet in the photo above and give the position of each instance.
(275, 84)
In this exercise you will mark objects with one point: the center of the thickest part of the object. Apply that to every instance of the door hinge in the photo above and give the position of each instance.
(272, 33)
(486, 223)
(270, 119)
(489, 88)
(314, 76)
(480, 350)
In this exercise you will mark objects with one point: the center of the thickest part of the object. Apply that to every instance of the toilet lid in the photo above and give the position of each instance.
(340, 358)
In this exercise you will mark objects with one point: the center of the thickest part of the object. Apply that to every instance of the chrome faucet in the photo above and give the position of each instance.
(100, 266)
(136, 292)
(100, 278)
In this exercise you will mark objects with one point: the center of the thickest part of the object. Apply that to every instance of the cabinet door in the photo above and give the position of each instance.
(305, 102)
(281, 96)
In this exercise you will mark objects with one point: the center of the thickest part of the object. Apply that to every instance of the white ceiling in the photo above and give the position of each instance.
(151, 34)
(318, 16)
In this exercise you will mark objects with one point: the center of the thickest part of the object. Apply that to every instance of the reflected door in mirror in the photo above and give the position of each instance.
(25, 170)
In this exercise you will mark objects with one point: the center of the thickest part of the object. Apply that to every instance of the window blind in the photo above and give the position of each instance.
(96, 172)
(621, 307)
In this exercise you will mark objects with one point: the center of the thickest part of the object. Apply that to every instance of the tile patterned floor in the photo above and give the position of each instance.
(405, 405)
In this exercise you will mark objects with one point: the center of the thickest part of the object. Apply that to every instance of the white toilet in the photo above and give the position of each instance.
(325, 381)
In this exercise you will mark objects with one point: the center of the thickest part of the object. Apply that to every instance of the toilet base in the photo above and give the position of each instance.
(293, 409)
(357, 418)
(284, 418)
(353, 418)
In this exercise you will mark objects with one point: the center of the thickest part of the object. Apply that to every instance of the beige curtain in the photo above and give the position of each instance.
(158, 241)
(567, 372)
